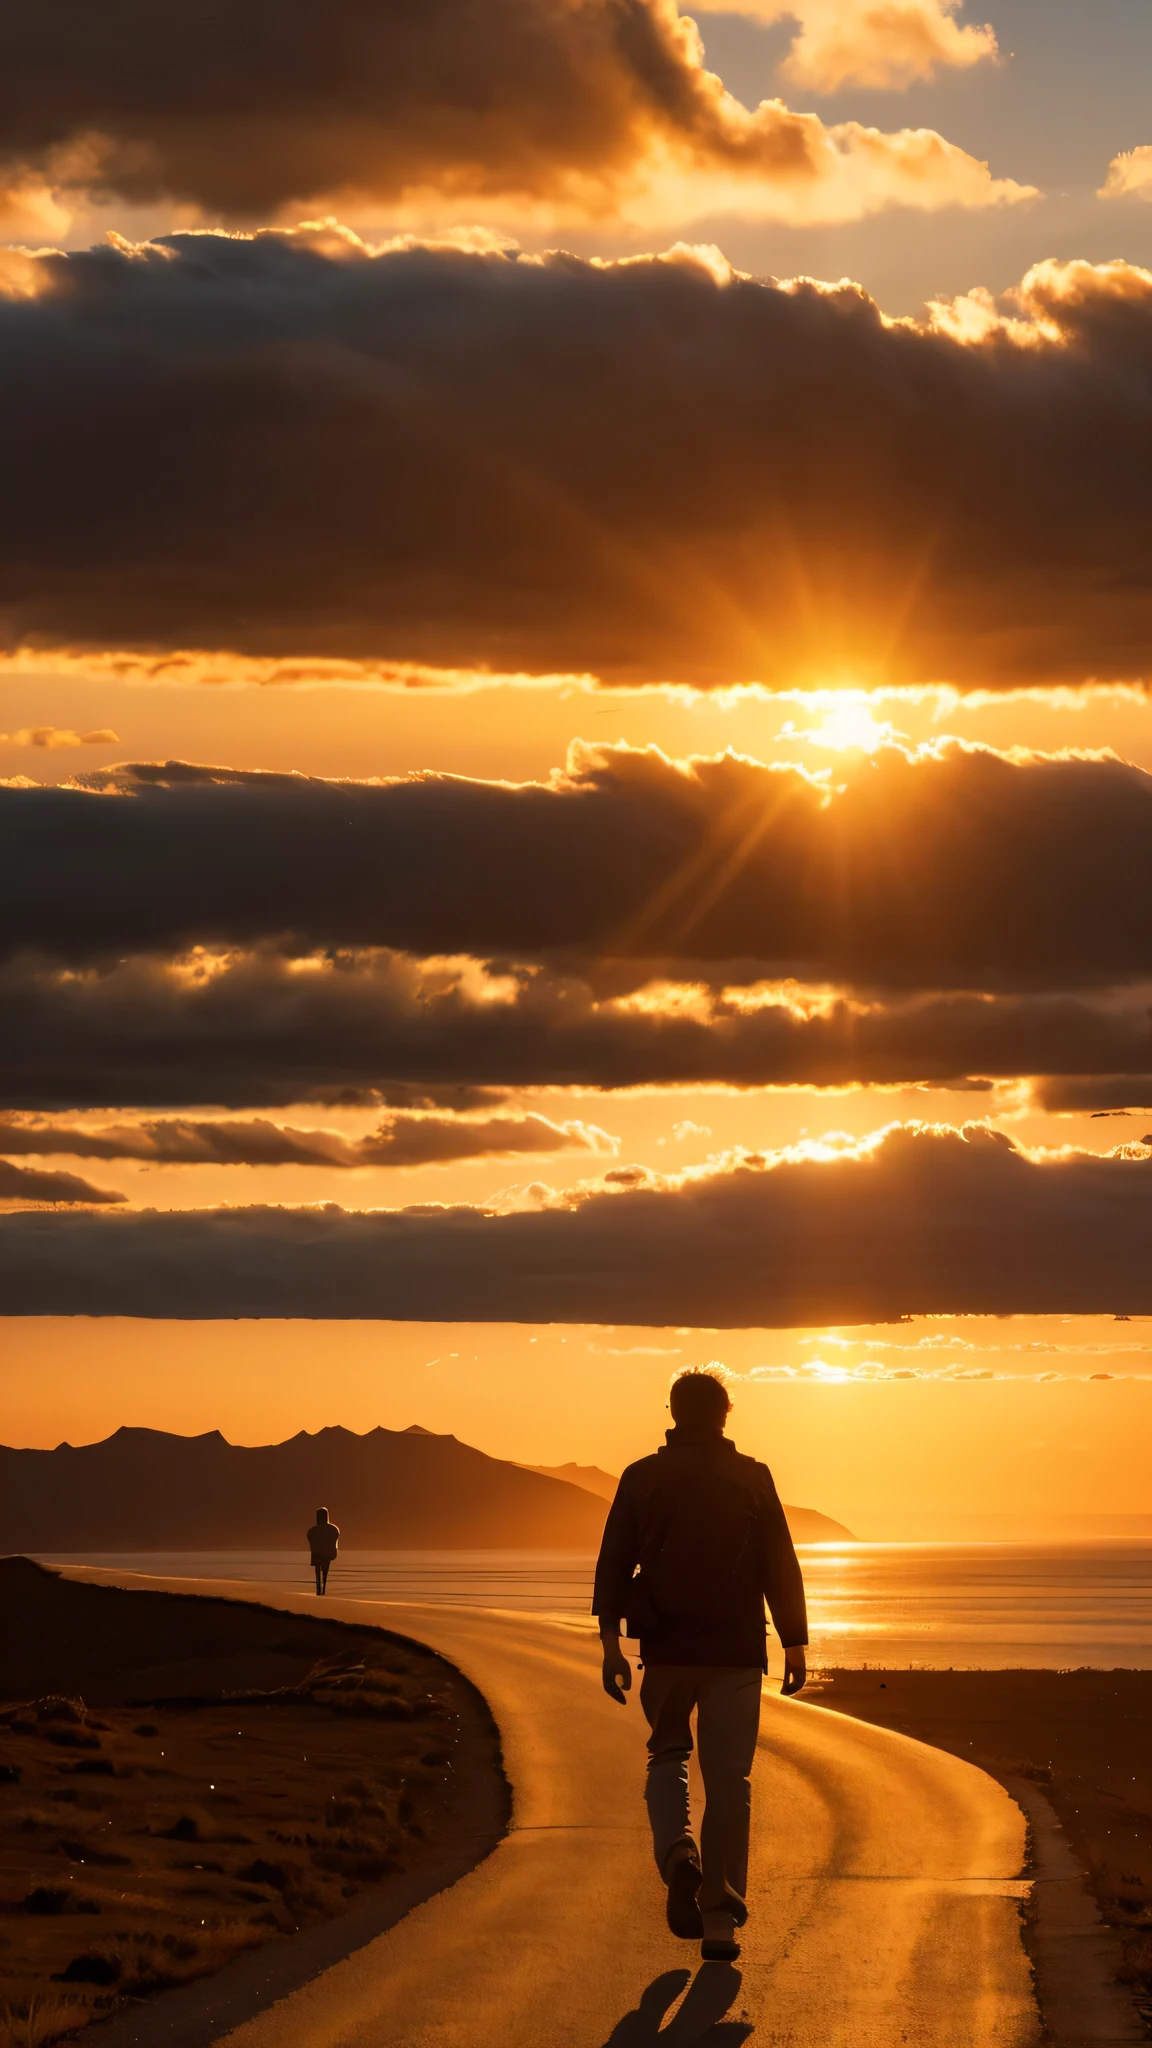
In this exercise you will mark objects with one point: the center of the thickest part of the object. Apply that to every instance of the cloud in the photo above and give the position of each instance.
(25, 1184)
(880, 44)
(653, 471)
(53, 736)
(423, 1141)
(1129, 175)
(458, 1096)
(914, 1221)
(481, 107)
(952, 868)
(260, 1030)
(1092, 1094)
(31, 210)
(399, 1141)
(942, 1341)
(185, 668)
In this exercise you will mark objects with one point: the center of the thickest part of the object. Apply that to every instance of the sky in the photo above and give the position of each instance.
(575, 761)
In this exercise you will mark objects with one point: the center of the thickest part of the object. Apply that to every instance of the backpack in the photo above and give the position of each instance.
(701, 1554)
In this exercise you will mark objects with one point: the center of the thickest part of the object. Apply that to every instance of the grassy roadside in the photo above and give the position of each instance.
(162, 1812)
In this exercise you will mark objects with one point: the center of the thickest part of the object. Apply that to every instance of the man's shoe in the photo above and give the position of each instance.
(719, 1944)
(683, 1912)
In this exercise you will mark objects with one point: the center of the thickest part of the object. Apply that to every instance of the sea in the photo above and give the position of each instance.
(927, 1606)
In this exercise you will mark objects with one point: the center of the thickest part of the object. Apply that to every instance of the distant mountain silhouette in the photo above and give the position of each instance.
(142, 1489)
(806, 1524)
(590, 1477)
(393, 1489)
(809, 1526)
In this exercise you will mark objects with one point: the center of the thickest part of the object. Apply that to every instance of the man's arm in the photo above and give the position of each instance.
(615, 1670)
(619, 1556)
(784, 1590)
(795, 1669)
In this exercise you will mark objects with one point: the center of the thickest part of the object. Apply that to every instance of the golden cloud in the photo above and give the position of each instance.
(527, 109)
(879, 44)
(1129, 175)
(56, 736)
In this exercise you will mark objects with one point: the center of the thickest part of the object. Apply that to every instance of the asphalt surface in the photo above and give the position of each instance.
(885, 1890)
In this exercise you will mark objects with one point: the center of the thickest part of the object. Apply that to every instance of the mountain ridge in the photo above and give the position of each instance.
(409, 1489)
(147, 1489)
(808, 1525)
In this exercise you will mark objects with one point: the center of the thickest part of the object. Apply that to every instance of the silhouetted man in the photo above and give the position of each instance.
(694, 1544)
(323, 1543)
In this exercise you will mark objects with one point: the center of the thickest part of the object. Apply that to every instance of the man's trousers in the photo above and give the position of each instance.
(727, 1703)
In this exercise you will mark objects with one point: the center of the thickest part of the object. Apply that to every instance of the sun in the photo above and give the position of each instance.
(851, 726)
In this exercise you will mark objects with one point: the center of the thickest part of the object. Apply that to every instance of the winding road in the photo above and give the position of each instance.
(885, 1886)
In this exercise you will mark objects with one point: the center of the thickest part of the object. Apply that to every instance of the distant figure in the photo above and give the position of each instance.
(323, 1542)
(705, 1526)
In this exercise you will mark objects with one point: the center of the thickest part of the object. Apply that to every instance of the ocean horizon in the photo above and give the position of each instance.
(935, 1606)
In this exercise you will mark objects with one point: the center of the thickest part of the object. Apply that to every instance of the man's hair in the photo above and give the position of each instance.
(699, 1396)
(321, 1514)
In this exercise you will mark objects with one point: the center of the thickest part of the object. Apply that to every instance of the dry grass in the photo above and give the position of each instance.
(149, 1841)
(37, 2020)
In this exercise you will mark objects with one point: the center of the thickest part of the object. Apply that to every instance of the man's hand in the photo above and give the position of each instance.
(795, 1671)
(617, 1671)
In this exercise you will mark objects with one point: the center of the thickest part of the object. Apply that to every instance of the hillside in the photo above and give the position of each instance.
(590, 1477)
(409, 1489)
(142, 1489)
(806, 1524)
(809, 1526)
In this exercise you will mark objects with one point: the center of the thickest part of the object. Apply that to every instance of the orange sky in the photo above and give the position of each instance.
(887, 1456)
(397, 443)
(890, 1457)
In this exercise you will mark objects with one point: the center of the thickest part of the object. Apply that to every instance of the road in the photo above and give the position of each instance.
(884, 1891)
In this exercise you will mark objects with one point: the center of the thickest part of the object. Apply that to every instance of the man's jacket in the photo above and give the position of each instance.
(695, 1543)
(324, 1542)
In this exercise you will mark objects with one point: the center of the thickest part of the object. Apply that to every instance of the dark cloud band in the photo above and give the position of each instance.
(1093, 1094)
(399, 1141)
(29, 1184)
(964, 869)
(924, 1222)
(264, 1031)
(652, 471)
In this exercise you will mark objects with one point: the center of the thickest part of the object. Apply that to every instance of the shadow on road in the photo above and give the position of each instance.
(700, 2022)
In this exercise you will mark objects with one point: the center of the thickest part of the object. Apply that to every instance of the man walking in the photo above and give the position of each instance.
(694, 1544)
(323, 1546)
